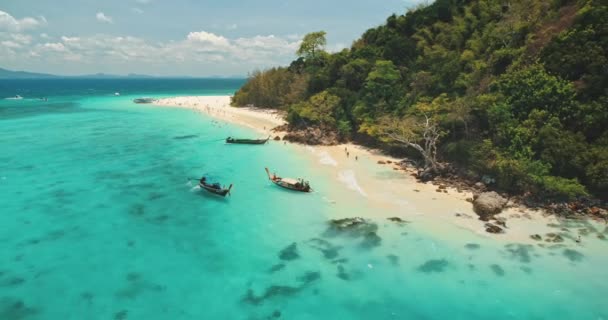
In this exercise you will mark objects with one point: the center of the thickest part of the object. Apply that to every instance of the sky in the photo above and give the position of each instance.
(176, 37)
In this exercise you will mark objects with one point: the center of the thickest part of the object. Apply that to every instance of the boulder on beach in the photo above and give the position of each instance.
(277, 138)
(487, 204)
(492, 228)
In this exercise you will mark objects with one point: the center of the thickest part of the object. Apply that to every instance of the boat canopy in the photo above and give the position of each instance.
(290, 181)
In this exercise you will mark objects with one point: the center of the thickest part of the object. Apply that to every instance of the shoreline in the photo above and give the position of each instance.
(391, 192)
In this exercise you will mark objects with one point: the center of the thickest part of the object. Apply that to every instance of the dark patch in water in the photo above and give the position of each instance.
(393, 259)
(340, 261)
(472, 246)
(155, 195)
(279, 290)
(371, 240)
(525, 269)
(16, 309)
(573, 255)
(435, 265)
(498, 270)
(520, 252)
(87, 296)
(161, 218)
(137, 210)
(133, 276)
(309, 277)
(342, 273)
(269, 293)
(329, 251)
(471, 266)
(121, 315)
(276, 268)
(32, 110)
(190, 136)
(289, 253)
(131, 243)
(137, 285)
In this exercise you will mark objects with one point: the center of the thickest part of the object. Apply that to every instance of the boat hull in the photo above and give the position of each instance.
(291, 187)
(246, 141)
(219, 192)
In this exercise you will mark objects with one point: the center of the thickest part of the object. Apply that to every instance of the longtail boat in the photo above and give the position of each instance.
(288, 183)
(214, 188)
(246, 141)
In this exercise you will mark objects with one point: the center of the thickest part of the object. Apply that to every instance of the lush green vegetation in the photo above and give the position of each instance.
(517, 90)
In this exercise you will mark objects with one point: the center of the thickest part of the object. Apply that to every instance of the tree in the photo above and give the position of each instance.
(421, 135)
(312, 44)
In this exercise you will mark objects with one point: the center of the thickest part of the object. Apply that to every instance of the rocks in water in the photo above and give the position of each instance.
(16, 309)
(276, 268)
(309, 277)
(280, 290)
(397, 220)
(329, 250)
(573, 255)
(289, 253)
(353, 226)
(498, 270)
(275, 314)
(536, 237)
(434, 266)
(488, 204)
(342, 273)
(552, 237)
(472, 246)
(371, 240)
(393, 259)
(277, 138)
(121, 315)
(492, 228)
(520, 252)
(381, 162)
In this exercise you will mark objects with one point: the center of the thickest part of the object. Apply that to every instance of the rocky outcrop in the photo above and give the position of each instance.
(312, 136)
(488, 204)
(491, 228)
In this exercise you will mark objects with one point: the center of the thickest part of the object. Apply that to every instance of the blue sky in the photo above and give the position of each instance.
(175, 37)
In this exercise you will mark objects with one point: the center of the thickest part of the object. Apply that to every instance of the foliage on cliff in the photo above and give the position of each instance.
(519, 89)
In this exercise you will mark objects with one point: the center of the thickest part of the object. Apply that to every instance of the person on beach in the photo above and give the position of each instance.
(356, 158)
(347, 154)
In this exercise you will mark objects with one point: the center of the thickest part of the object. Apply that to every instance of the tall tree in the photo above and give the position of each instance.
(312, 44)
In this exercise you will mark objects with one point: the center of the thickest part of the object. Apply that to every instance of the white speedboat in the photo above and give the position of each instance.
(17, 97)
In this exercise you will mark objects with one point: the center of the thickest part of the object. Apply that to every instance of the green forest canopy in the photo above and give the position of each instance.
(520, 88)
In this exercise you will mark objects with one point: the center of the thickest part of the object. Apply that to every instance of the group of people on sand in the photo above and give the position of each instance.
(348, 154)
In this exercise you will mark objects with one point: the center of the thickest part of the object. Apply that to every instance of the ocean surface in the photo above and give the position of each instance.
(98, 220)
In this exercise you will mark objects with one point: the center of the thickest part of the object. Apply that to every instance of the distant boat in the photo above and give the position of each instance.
(288, 183)
(116, 93)
(17, 97)
(144, 100)
(246, 141)
(214, 188)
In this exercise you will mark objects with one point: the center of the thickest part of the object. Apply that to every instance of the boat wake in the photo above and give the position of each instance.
(348, 178)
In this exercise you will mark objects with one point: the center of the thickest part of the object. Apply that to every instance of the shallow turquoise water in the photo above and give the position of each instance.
(99, 222)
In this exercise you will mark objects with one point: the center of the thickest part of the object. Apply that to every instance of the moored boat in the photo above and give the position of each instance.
(246, 141)
(144, 100)
(214, 188)
(288, 183)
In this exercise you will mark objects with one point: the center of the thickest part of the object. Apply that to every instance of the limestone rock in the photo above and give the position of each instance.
(488, 204)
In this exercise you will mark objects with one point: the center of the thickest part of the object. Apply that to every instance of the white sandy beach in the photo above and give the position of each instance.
(394, 193)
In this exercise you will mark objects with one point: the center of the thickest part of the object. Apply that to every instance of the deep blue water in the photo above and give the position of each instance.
(99, 221)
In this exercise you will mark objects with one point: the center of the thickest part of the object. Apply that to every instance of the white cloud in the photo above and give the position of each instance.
(101, 17)
(11, 24)
(207, 38)
(200, 48)
(53, 46)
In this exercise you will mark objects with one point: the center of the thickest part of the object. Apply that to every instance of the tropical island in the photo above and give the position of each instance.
(505, 96)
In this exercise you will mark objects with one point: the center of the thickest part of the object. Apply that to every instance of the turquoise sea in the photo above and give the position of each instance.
(99, 221)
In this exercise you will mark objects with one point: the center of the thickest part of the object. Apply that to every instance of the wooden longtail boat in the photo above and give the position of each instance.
(214, 188)
(246, 141)
(291, 184)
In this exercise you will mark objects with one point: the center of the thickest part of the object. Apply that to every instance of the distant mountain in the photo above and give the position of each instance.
(8, 74)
